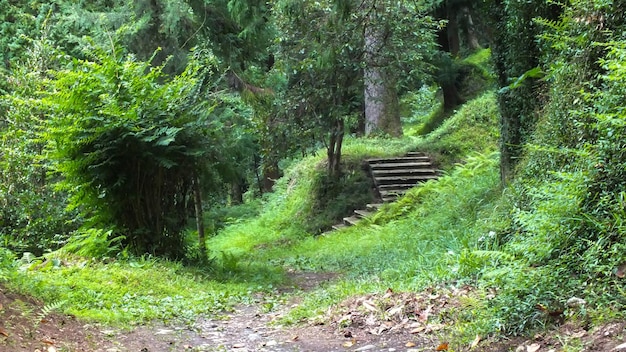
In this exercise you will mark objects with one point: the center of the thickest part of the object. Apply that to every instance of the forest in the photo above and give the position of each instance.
(173, 175)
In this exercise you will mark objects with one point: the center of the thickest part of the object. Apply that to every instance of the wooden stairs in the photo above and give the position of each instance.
(392, 178)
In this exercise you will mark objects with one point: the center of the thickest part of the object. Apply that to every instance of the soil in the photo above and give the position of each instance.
(387, 321)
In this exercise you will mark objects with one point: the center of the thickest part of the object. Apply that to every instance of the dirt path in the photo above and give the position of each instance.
(389, 321)
(23, 327)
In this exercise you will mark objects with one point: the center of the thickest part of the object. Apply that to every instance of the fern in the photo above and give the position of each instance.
(47, 309)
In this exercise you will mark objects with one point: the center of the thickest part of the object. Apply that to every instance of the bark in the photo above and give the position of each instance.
(271, 173)
(382, 113)
(236, 191)
(469, 29)
(333, 151)
(454, 44)
(451, 97)
(197, 199)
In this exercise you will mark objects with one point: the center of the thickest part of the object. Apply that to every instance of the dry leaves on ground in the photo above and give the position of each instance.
(417, 313)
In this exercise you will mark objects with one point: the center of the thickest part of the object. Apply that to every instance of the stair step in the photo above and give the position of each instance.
(339, 226)
(412, 159)
(403, 179)
(363, 213)
(387, 187)
(392, 193)
(415, 154)
(404, 172)
(351, 220)
(389, 199)
(401, 165)
(373, 206)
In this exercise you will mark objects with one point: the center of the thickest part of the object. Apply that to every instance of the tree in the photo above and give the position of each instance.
(132, 144)
(516, 51)
(382, 112)
(342, 55)
(394, 36)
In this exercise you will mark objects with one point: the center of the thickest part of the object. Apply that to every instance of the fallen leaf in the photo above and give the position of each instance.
(47, 342)
(349, 343)
(369, 306)
(418, 330)
(52, 349)
(3, 332)
(434, 327)
(295, 338)
(578, 334)
(425, 314)
(475, 342)
(395, 310)
(410, 344)
(442, 347)
(533, 348)
(389, 293)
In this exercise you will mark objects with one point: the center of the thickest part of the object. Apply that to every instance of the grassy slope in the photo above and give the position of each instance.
(418, 241)
(410, 244)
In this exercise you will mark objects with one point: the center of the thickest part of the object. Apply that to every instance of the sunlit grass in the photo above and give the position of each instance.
(135, 291)
(409, 245)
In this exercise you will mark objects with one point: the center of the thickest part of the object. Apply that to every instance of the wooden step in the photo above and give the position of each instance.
(413, 159)
(339, 226)
(404, 172)
(396, 186)
(380, 181)
(373, 207)
(416, 154)
(351, 220)
(392, 193)
(362, 213)
(401, 165)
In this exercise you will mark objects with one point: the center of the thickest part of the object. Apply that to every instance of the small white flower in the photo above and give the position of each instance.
(492, 234)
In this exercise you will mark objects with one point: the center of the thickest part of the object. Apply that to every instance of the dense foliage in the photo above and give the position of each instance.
(118, 117)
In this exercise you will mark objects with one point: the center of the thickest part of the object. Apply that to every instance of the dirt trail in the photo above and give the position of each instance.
(388, 321)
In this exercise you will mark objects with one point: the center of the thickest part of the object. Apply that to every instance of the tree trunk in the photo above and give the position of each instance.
(451, 97)
(271, 173)
(236, 191)
(453, 30)
(382, 113)
(469, 30)
(333, 151)
(197, 199)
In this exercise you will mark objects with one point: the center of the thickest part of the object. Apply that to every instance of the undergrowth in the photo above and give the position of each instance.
(123, 292)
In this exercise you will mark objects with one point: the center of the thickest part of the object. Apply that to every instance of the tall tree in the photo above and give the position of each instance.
(382, 112)
(342, 60)
(392, 33)
(517, 51)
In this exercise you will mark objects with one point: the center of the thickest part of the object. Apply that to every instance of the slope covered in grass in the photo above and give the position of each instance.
(408, 245)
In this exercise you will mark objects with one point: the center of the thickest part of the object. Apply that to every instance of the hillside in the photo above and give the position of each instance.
(429, 269)
(171, 171)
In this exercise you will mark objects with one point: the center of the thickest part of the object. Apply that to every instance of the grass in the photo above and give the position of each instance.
(416, 242)
(410, 244)
(136, 291)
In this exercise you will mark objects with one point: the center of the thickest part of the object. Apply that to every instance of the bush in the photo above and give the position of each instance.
(130, 143)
